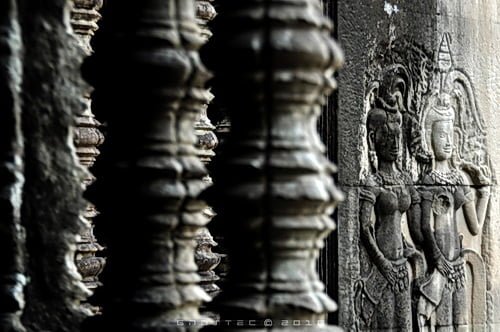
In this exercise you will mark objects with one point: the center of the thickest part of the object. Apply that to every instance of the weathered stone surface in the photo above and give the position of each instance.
(207, 260)
(361, 30)
(84, 18)
(12, 270)
(424, 256)
(52, 195)
(205, 12)
(274, 187)
(149, 89)
(474, 30)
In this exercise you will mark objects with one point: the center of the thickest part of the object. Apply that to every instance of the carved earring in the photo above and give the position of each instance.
(373, 159)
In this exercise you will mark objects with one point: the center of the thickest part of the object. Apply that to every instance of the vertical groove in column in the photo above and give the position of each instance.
(149, 89)
(12, 278)
(274, 191)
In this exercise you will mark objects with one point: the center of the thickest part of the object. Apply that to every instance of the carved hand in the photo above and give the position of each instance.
(444, 266)
(484, 176)
(396, 275)
(389, 273)
(478, 174)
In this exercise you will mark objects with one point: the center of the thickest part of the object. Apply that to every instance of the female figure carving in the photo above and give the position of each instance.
(443, 296)
(384, 297)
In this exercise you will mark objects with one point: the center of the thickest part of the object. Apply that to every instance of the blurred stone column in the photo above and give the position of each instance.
(12, 270)
(149, 90)
(273, 63)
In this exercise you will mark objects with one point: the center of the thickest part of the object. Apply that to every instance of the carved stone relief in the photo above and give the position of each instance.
(386, 288)
(424, 195)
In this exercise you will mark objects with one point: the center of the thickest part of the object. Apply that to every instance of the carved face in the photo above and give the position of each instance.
(442, 139)
(386, 138)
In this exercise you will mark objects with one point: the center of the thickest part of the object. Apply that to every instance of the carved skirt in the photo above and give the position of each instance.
(382, 308)
(445, 299)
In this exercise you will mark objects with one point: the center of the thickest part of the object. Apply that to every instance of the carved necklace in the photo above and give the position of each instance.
(451, 177)
(395, 178)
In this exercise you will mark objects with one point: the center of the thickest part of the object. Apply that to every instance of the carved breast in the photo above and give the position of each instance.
(392, 199)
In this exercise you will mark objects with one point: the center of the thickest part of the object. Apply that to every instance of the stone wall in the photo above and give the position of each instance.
(418, 163)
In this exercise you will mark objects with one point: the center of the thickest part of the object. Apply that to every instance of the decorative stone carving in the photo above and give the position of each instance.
(149, 175)
(205, 12)
(273, 185)
(84, 18)
(88, 137)
(207, 140)
(424, 195)
(12, 272)
(206, 260)
(386, 290)
(447, 190)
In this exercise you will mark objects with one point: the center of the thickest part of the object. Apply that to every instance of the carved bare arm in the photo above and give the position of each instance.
(414, 217)
(367, 202)
(475, 214)
(482, 204)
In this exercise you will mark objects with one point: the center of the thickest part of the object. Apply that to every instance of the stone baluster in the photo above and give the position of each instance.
(84, 18)
(273, 188)
(149, 89)
(88, 137)
(206, 260)
(12, 279)
(213, 267)
(205, 12)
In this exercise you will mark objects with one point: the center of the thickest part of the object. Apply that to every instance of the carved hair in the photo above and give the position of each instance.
(379, 103)
(378, 117)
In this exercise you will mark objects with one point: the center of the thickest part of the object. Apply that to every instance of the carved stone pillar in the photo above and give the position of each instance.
(88, 137)
(207, 142)
(12, 278)
(149, 89)
(274, 189)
